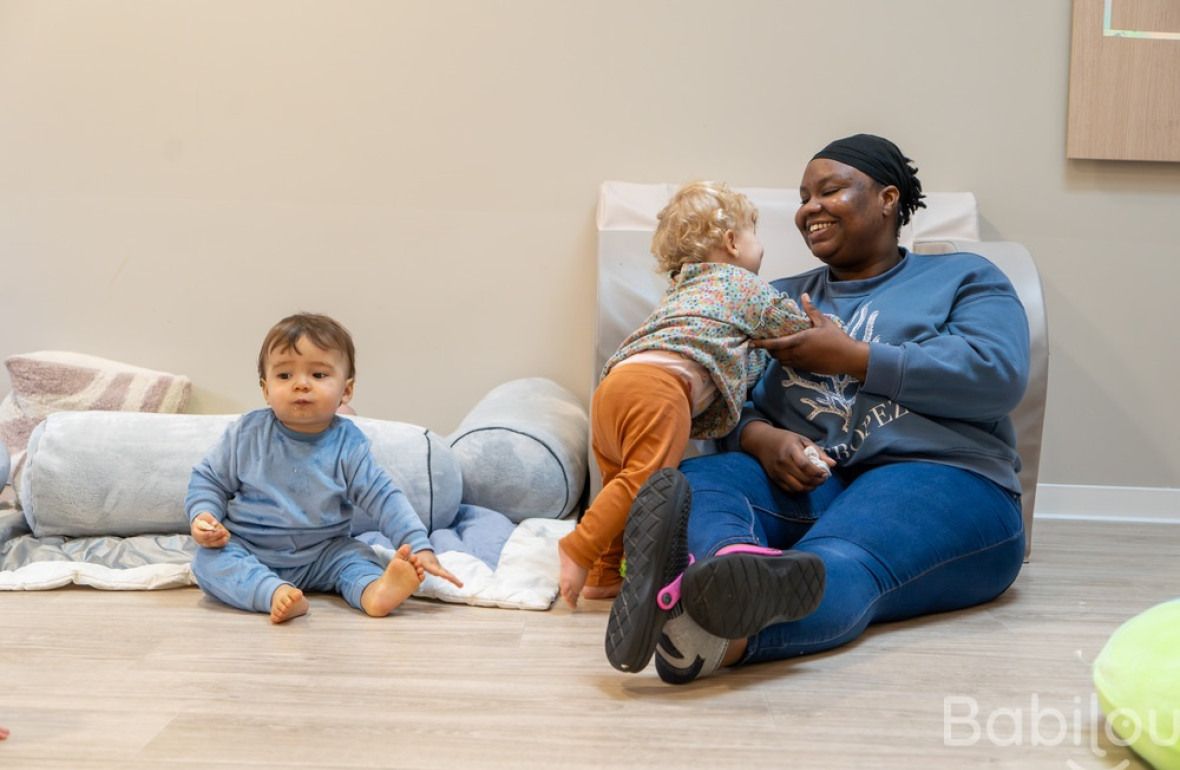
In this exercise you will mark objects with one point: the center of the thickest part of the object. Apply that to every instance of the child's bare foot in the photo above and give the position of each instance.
(399, 581)
(571, 578)
(602, 592)
(286, 603)
(605, 579)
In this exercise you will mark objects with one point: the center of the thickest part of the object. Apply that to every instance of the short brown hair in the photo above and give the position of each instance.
(694, 222)
(324, 332)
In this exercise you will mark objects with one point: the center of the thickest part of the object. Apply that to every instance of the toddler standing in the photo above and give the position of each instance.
(684, 373)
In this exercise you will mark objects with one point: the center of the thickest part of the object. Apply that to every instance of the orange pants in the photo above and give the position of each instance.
(640, 422)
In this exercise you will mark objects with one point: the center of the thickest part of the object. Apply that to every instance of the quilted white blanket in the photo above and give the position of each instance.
(524, 577)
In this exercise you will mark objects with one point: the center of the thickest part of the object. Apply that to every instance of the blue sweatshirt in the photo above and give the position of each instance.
(285, 495)
(948, 361)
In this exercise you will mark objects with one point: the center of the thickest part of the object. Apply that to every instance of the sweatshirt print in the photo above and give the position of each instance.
(948, 362)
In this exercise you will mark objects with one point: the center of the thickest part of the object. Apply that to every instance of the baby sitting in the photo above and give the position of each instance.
(271, 505)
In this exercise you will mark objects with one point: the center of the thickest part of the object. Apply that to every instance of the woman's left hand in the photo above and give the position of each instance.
(824, 349)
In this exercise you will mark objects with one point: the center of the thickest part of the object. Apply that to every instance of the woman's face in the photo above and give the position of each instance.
(846, 218)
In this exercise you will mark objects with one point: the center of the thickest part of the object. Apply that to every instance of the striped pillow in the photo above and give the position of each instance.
(55, 381)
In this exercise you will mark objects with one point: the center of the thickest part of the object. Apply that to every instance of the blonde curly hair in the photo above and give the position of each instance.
(693, 224)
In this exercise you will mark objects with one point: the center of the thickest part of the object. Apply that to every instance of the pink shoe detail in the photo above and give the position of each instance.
(754, 549)
(670, 594)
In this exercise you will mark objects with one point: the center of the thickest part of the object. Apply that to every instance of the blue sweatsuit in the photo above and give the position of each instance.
(287, 500)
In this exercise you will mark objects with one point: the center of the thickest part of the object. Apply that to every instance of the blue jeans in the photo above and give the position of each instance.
(897, 541)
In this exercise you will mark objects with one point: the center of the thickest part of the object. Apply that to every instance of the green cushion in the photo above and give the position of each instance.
(1137, 679)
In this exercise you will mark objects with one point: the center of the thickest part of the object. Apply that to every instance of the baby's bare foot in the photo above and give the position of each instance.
(288, 602)
(384, 594)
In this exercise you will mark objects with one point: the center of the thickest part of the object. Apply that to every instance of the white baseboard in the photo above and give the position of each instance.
(1084, 501)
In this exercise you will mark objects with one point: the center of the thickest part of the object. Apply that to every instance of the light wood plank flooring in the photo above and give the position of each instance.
(169, 679)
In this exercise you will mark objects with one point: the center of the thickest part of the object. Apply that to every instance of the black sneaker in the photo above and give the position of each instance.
(687, 652)
(656, 551)
(746, 588)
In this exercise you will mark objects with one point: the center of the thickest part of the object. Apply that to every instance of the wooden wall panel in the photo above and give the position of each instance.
(1124, 80)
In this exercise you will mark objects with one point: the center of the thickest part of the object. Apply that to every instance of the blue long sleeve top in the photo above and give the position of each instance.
(285, 495)
(948, 361)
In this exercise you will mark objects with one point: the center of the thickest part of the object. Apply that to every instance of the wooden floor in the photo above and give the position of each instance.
(169, 679)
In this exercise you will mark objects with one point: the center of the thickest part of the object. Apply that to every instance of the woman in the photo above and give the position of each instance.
(881, 455)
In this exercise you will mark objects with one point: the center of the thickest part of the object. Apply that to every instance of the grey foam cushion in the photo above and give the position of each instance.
(123, 473)
(523, 449)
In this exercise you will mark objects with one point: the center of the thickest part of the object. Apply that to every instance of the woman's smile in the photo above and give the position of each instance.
(820, 230)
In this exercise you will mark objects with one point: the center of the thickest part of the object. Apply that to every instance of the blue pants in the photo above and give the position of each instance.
(897, 541)
(239, 578)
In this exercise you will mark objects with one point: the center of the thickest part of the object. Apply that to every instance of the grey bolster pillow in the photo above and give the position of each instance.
(522, 449)
(126, 473)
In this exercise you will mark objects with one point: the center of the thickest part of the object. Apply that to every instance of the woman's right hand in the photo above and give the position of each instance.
(783, 455)
(208, 531)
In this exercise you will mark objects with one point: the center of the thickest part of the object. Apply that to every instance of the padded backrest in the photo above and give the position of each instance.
(1029, 415)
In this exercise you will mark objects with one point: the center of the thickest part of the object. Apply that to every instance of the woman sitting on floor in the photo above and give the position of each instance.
(880, 455)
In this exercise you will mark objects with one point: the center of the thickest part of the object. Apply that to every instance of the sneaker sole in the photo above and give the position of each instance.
(737, 595)
(675, 674)
(656, 552)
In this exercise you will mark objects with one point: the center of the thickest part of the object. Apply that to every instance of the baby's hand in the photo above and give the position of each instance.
(571, 579)
(427, 561)
(208, 531)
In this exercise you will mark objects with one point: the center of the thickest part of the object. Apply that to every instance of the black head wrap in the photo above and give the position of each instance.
(880, 159)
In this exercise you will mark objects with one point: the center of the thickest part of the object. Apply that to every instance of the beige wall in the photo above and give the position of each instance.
(175, 176)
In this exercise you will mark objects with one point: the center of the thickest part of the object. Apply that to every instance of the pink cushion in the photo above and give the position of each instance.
(55, 381)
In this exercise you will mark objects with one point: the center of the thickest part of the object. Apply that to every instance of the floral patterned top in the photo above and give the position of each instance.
(708, 315)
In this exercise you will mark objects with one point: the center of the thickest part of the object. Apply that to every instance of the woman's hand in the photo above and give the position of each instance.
(208, 531)
(784, 456)
(823, 349)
